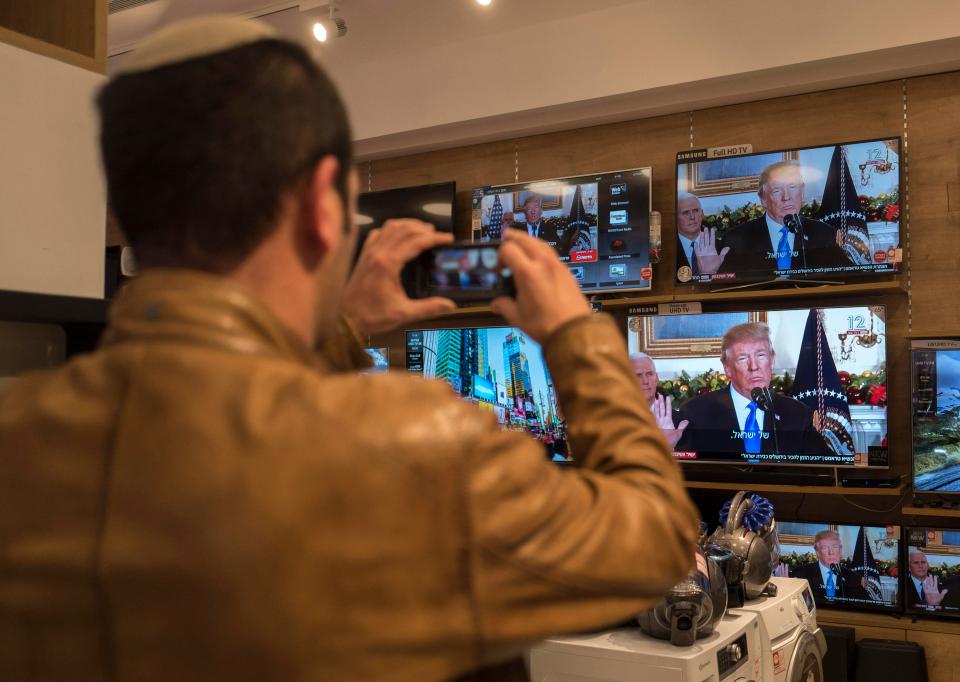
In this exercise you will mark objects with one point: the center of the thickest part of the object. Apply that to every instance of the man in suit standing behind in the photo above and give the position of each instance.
(668, 419)
(767, 245)
(922, 589)
(828, 579)
(730, 420)
(696, 248)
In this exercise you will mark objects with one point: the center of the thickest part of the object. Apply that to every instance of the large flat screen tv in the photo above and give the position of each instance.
(822, 213)
(936, 416)
(931, 581)
(433, 204)
(598, 223)
(499, 369)
(847, 566)
(802, 386)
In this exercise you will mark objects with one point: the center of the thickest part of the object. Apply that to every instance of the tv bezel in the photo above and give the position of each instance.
(650, 264)
(897, 607)
(767, 465)
(760, 278)
(915, 345)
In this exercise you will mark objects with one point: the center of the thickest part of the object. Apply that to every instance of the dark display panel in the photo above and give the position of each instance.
(801, 387)
(499, 369)
(433, 204)
(847, 566)
(599, 223)
(814, 212)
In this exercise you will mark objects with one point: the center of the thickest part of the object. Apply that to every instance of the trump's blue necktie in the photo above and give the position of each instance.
(831, 586)
(783, 251)
(751, 439)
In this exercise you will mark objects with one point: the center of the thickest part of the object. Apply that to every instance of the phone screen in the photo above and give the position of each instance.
(462, 272)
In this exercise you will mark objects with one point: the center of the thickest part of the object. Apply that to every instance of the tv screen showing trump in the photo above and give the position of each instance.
(804, 386)
(813, 213)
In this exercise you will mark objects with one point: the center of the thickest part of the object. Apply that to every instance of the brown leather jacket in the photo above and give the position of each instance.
(203, 498)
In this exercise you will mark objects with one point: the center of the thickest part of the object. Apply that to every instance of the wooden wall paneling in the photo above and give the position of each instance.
(647, 142)
(942, 652)
(73, 31)
(857, 113)
(933, 114)
(474, 166)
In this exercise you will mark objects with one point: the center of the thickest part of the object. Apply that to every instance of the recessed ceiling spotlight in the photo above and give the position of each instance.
(484, 2)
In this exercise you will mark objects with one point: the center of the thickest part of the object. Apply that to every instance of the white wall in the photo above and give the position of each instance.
(52, 200)
(632, 60)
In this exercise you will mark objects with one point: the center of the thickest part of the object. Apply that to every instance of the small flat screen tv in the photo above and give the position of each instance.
(823, 213)
(598, 223)
(847, 566)
(800, 386)
(499, 369)
(931, 581)
(936, 416)
(433, 204)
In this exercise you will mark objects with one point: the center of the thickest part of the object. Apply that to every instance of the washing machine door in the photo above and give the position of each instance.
(807, 662)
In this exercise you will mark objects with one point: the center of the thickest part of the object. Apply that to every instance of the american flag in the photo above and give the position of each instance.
(496, 217)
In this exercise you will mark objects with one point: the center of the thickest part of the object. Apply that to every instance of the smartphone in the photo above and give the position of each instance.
(462, 272)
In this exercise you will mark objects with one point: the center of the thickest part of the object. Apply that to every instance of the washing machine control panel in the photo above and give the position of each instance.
(731, 656)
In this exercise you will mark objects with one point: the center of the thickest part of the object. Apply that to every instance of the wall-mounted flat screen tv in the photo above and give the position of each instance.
(499, 369)
(598, 223)
(803, 386)
(433, 204)
(931, 581)
(822, 213)
(936, 416)
(847, 566)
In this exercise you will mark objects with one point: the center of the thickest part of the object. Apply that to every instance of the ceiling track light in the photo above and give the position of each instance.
(326, 27)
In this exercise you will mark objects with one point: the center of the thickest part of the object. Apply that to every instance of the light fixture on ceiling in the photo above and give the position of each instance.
(484, 2)
(325, 27)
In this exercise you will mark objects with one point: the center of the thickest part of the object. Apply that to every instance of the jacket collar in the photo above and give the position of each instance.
(200, 308)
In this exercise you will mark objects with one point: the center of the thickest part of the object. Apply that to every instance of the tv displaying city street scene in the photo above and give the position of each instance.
(823, 213)
(936, 416)
(599, 224)
(499, 369)
(802, 386)
(847, 566)
(931, 581)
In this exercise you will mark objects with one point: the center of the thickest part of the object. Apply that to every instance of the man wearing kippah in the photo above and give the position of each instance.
(217, 494)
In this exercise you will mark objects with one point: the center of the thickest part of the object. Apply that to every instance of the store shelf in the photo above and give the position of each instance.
(17, 306)
(796, 290)
(930, 511)
(796, 489)
(780, 292)
(885, 620)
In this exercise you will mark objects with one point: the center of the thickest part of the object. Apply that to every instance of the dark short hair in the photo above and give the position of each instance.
(198, 154)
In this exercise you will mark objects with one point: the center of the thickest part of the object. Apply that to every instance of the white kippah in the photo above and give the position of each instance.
(191, 38)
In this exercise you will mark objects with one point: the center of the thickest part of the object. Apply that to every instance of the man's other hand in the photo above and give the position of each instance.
(705, 251)
(374, 299)
(663, 413)
(547, 294)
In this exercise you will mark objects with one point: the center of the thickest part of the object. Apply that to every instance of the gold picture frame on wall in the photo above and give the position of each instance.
(551, 200)
(687, 336)
(733, 175)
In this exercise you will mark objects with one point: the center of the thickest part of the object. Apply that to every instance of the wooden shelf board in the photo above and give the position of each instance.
(886, 620)
(799, 489)
(929, 511)
(863, 288)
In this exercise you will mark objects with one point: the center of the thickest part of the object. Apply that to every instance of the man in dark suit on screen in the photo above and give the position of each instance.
(922, 589)
(828, 579)
(730, 420)
(780, 240)
(696, 248)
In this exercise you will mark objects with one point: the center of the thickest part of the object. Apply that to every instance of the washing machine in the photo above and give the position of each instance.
(731, 654)
(793, 644)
